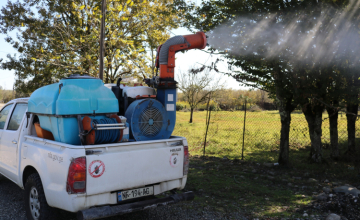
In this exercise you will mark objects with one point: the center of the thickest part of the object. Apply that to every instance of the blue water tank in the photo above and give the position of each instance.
(57, 105)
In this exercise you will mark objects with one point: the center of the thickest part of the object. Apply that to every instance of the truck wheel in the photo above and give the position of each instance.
(35, 202)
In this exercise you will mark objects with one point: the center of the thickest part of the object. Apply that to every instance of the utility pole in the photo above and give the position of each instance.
(102, 36)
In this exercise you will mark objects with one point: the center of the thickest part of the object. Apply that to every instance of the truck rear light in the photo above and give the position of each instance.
(186, 160)
(76, 181)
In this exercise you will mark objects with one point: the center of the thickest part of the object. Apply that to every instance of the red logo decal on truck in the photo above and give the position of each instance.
(96, 168)
(174, 160)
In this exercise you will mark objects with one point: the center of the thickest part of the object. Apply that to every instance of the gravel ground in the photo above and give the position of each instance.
(345, 205)
(12, 207)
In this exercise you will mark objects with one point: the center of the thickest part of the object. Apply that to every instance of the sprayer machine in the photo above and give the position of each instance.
(82, 110)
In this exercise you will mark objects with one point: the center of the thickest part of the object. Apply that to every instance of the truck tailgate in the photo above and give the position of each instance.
(133, 164)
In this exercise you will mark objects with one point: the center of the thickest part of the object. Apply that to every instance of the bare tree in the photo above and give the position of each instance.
(196, 86)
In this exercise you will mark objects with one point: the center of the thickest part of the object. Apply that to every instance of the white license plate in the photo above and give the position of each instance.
(135, 193)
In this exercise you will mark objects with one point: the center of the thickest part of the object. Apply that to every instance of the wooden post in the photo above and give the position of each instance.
(208, 115)
(102, 36)
(242, 152)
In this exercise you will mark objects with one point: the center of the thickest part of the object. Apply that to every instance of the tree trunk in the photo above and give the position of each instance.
(106, 72)
(191, 115)
(284, 102)
(314, 119)
(334, 136)
(351, 121)
(285, 116)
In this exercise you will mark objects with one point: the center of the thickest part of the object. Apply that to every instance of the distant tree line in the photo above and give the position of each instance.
(6, 95)
(232, 99)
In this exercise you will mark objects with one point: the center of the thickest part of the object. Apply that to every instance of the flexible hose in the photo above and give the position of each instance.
(105, 136)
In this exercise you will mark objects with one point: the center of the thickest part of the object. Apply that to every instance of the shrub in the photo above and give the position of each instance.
(213, 106)
(179, 106)
(255, 108)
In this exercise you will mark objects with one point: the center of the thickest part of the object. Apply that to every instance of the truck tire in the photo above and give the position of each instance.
(35, 202)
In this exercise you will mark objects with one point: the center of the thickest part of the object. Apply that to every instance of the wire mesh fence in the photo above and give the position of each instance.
(262, 131)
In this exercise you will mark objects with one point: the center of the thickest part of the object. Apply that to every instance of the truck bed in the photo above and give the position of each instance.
(125, 165)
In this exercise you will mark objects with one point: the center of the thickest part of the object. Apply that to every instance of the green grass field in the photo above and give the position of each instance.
(225, 133)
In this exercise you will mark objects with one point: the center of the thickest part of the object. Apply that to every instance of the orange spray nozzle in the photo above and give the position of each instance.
(166, 53)
(197, 40)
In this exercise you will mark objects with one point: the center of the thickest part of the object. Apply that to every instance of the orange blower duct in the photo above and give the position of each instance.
(197, 40)
(165, 59)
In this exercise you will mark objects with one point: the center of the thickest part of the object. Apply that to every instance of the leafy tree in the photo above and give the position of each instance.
(262, 73)
(280, 47)
(58, 38)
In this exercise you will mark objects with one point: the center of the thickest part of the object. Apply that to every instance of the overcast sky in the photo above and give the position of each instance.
(183, 61)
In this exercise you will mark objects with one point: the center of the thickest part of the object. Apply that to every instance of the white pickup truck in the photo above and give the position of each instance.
(95, 181)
